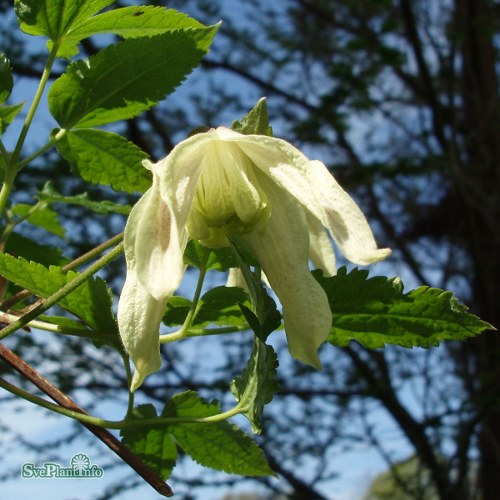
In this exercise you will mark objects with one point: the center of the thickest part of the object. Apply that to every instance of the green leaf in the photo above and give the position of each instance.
(154, 446)
(105, 158)
(50, 195)
(257, 385)
(43, 217)
(219, 306)
(265, 317)
(20, 246)
(255, 122)
(219, 445)
(6, 80)
(7, 115)
(220, 259)
(91, 302)
(177, 311)
(124, 79)
(54, 18)
(376, 312)
(128, 22)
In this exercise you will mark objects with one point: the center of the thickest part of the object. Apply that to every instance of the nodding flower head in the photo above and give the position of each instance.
(222, 184)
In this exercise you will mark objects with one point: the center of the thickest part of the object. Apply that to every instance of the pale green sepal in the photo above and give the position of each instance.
(151, 240)
(321, 251)
(139, 317)
(282, 251)
(312, 185)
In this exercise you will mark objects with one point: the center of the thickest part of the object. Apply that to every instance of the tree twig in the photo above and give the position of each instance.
(104, 435)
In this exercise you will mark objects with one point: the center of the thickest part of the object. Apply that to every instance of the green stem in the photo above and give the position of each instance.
(201, 332)
(114, 424)
(15, 222)
(37, 153)
(195, 305)
(86, 257)
(60, 294)
(8, 182)
(64, 330)
(4, 153)
(11, 165)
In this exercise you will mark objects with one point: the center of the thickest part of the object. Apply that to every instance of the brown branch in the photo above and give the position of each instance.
(104, 435)
(418, 51)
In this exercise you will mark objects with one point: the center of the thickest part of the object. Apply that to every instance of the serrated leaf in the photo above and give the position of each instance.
(376, 312)
(128, 22)
(126, 78)
(218, 445)
(257, 385)
(43, 217)
(50, 195)
(255, 122)
(176, 311)
(154, 446)
(54, 18)
(219, 306)
(6, 80)
(20, 246)
(7, 115)
(105, 158)
(219, 259)
(265, 317)
(91, 302)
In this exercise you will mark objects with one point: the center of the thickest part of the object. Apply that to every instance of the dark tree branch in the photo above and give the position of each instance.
(104, 435)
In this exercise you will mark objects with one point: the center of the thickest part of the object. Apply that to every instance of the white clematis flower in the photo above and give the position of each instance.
(220, 184)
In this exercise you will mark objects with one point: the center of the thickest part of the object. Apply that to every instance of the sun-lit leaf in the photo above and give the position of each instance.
(255, 122)
(153, 445)
(257, 385)
(376, 312)
(7, 115)
(126, 78)
(6, 80)
(219, 306)
(219, 445)
(54, 18)
(91, 302)
(50, 195)
(43, 217)
(105, 158)
(30, 250)
(127, 22)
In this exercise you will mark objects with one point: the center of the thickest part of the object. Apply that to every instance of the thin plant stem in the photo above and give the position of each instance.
(83, 259)
(201, 332)
(114, 424)
(104, 435)
(60, 294)
(195, 305)
(11, 165)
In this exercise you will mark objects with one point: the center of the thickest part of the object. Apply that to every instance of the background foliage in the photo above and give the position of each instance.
(400, 99)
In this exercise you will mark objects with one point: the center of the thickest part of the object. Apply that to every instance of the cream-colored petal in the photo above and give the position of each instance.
(320, 247)
(315, 188)
(180, 172)
(153, 244)
(235, 278)
(282, 250)
(139, 317)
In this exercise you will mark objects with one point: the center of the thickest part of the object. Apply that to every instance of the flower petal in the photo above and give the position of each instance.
(315, 188)
(139, 317)
(152, 242)
(179, 173)
(320, 247)
(282, 250)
